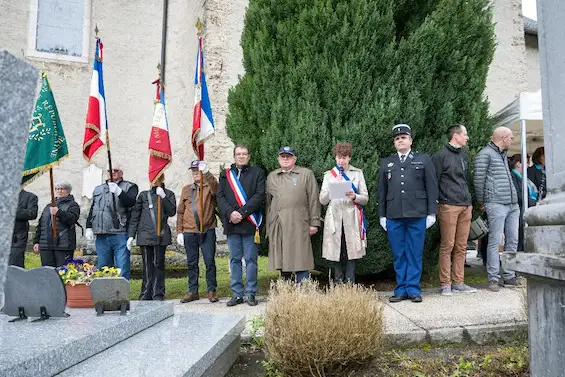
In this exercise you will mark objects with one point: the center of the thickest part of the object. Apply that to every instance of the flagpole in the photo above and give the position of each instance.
(111, 170)
(53, 220)
(199, 26)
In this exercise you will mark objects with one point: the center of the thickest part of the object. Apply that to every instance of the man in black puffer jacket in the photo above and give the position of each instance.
(27, 210)
(55, 251)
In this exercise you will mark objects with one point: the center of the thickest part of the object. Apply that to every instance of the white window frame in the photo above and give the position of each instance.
(32, 36)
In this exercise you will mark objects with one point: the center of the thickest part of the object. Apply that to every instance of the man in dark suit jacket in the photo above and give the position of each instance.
(407, 194)
(27, 210)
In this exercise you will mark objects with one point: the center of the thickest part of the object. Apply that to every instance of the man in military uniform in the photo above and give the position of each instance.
(407, 204)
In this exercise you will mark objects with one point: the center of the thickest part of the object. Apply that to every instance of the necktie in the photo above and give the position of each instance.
(402, 158)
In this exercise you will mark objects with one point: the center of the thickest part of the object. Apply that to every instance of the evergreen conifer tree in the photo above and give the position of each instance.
(319, 72)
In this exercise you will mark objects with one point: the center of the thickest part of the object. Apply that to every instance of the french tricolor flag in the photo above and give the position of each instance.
(160, 153)
(96, 121)
(202, 121)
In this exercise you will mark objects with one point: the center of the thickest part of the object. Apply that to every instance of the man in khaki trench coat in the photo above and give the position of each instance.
(293, 216)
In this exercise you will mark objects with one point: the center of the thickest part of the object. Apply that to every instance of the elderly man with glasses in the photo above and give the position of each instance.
(109, 218)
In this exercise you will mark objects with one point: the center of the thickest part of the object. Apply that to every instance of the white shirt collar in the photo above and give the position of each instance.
(406, 154)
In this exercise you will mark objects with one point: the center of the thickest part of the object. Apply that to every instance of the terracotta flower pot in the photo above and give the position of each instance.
(78, 296)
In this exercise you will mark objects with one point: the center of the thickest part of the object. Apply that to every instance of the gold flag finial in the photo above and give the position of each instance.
(96, 31)
(159, 69)
(199, 26)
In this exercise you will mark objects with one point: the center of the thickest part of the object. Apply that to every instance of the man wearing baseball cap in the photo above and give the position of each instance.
(293, 216)
(407, 205)
(189, 219)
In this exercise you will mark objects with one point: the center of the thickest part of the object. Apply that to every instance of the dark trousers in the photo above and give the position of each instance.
(406, 237)
(193, 243)
(153, 283)
(55, 258)
(17, 256)
(344, 264)
(521, 234)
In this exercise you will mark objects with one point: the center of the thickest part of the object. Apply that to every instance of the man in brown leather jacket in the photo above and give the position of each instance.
(189, 219)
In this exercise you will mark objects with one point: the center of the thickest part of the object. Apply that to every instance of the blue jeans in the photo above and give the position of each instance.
(243, 246)
(112, 251)
(502, 219)
(406, 237)
(299, 276)
(193, 242)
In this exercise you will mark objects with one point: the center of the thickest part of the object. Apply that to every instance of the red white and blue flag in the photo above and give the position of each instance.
(362, 220)
(96, 121)
(160, 153)
(202, 121)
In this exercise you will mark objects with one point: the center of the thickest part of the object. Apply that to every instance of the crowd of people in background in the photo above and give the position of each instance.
(413, 191)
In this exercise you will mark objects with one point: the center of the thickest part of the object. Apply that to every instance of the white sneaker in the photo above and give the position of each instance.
(445, 290)
(463, 288)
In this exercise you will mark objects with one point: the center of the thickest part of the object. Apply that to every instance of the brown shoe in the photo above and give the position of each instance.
(189, 297)
(212, 297)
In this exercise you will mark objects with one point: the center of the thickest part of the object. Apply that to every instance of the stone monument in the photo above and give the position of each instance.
(544, 263)
(17, 98)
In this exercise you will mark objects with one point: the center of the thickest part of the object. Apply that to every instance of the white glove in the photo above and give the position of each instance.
(383, 222)
(114, 188)
(203, 167)
(430, 220)
(89, 235)
(160, 192)
(180, 239)
(129, 243)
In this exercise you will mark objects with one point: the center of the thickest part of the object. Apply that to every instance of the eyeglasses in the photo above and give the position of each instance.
(60, 189)
(114, 170)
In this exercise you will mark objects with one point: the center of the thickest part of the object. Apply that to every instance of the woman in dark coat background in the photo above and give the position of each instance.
(515, 163)
(143, 223)
(55, 251)
(536, 172)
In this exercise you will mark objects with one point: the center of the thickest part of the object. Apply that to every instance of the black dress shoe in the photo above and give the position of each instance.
(251, 300)
(416, 298)
(398, 298)
(235, 300)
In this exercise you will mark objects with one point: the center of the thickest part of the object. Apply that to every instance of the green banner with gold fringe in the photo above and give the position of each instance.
(46, 144)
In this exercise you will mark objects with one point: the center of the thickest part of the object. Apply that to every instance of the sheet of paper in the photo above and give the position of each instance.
(339, 189)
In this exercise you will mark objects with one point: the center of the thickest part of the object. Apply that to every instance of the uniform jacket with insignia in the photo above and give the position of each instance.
(409, 189)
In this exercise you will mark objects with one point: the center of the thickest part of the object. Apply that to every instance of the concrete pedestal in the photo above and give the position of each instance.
(546, 309)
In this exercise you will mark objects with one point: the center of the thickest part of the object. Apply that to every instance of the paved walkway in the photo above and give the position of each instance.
(480, 317)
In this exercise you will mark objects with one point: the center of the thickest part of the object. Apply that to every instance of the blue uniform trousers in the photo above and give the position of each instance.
(406, 237)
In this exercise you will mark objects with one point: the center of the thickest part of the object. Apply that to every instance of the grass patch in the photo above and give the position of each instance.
(177, 287)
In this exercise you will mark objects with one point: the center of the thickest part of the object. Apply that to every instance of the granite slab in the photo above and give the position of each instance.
(42, 349)
(187, 344)
(33, 289)
(19, 88)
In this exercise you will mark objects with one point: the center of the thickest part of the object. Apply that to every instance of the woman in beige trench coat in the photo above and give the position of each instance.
(343, 241)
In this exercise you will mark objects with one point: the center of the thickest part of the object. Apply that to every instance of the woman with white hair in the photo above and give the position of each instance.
(55, 251)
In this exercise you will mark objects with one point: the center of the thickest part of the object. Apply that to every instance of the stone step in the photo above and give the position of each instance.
(187, 344)
(45, 348)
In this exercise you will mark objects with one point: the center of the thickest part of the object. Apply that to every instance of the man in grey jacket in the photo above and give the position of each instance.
(496, 194)
(109, 218)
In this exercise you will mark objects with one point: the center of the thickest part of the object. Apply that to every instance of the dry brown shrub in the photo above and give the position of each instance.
(321, 332)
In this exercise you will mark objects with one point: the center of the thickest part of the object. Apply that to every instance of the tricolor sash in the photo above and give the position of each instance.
(362, 220)
(241, 198)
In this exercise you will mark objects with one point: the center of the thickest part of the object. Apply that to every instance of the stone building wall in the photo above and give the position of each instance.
(131, 33)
